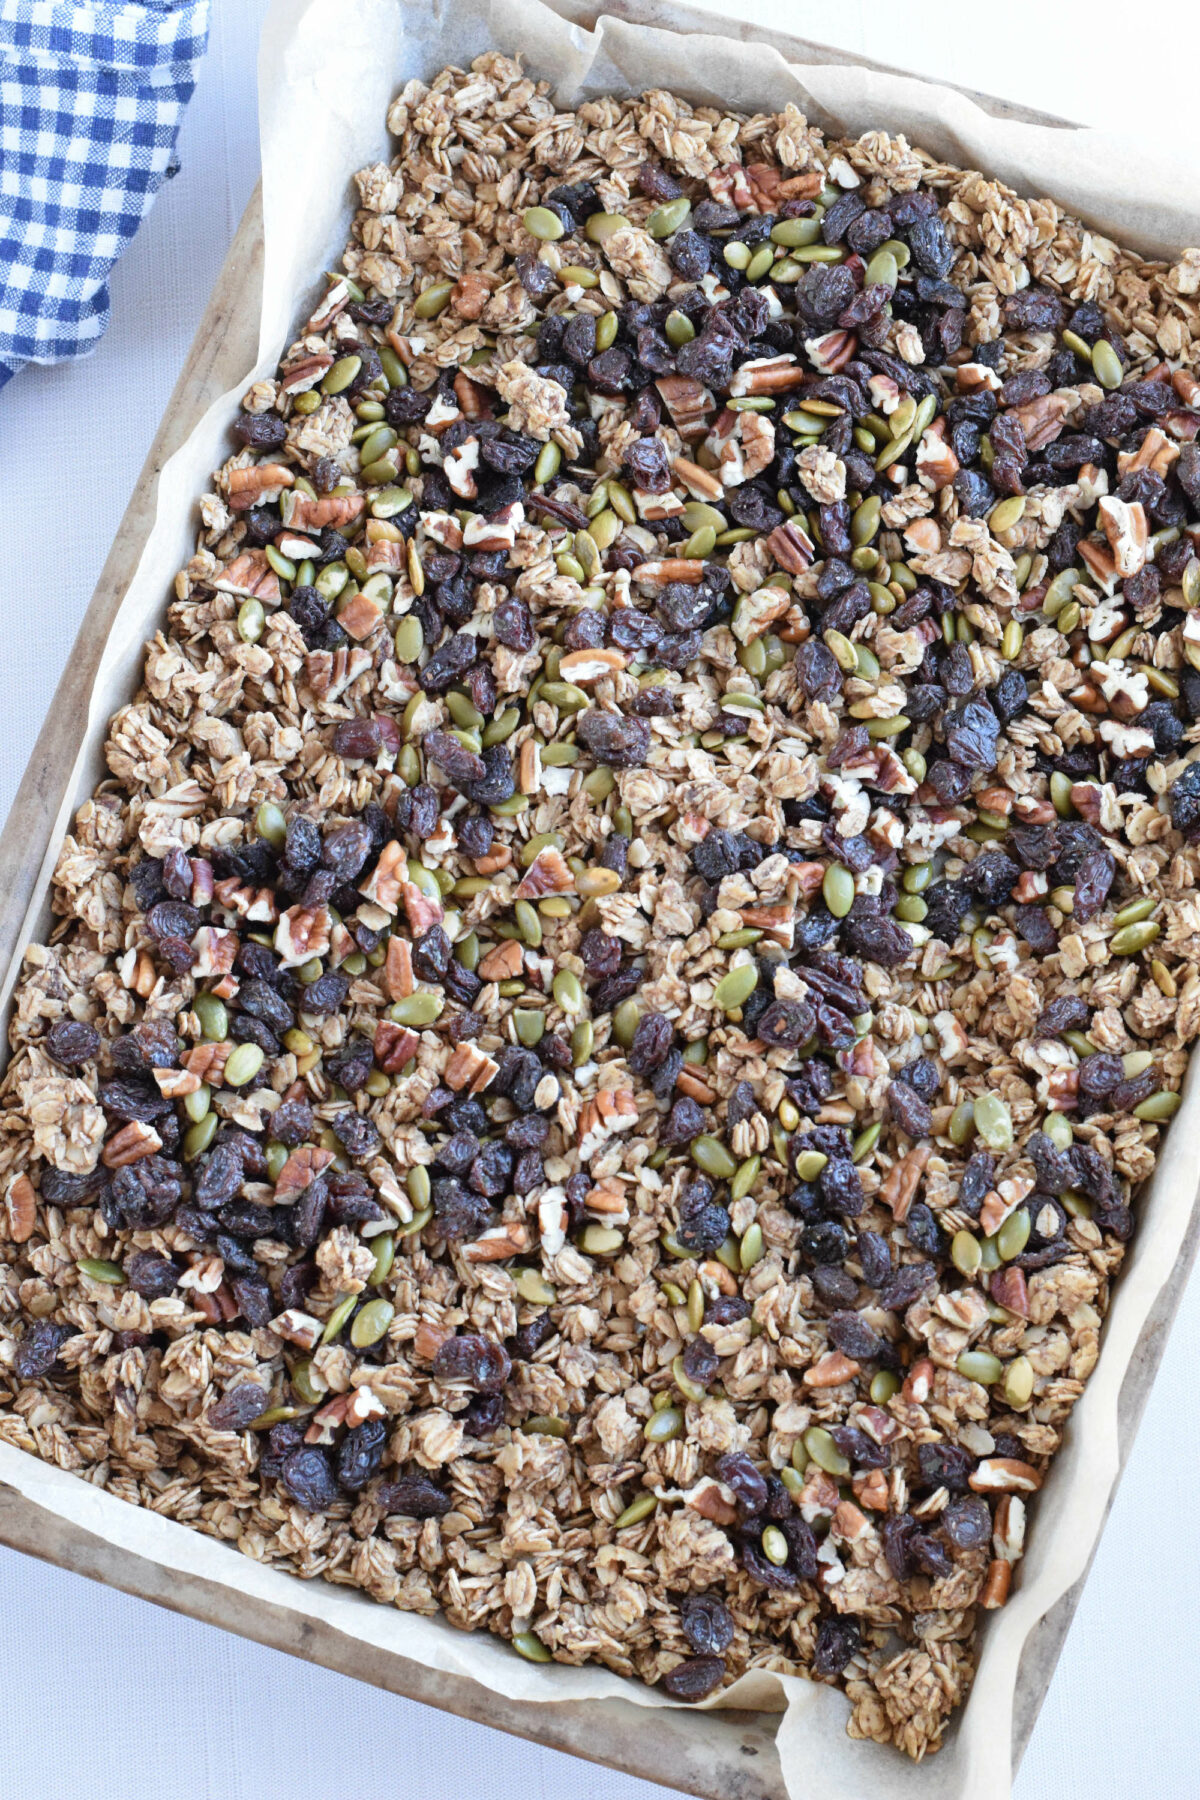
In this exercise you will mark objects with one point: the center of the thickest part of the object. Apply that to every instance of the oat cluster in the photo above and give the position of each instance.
(602, 1038)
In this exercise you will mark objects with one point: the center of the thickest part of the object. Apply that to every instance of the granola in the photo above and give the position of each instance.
(602, 1038)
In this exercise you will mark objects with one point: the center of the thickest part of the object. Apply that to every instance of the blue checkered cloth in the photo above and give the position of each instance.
(91, 99)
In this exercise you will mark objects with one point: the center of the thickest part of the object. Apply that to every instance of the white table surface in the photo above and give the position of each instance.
(107, 1698)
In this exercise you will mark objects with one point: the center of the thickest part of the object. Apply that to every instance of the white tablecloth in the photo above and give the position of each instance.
(105, 1698)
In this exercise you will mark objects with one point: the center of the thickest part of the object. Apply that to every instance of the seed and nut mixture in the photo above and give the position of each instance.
(603, 1034)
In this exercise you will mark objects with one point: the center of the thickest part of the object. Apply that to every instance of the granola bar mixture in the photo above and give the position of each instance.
(603, 1035)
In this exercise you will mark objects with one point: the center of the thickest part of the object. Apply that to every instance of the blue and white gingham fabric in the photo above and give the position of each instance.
(91, 99)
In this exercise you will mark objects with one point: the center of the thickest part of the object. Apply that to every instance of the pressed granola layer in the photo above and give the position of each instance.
(604, 1034)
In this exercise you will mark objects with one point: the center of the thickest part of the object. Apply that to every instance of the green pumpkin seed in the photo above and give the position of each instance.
(1132, 938)
(709, 1154)
(602, 226)
(1106, 364)
(625, 1022)
(433, 300)
(809, 1164)
(582, 1042)
(760, 263)
(965, 1253)
(576, 275)
(421, 1008)
(745, 1178)
(980, 1366)
(884, 1386)
(1018, 1377)
(695, 1305)
(343, 372)
(392, 367)
(338, 1317)
(524, 1642)
(198, 1137)
(775, 1546)
(243, 1065)
(417, 1223)
(1135, 911)
(865, 521)
(667, 219)
(962, 1123)
(680, 331)
(568, 991)
(737, 255)
(1081, 347)
(1057, 1128)
(993, 1122)
(607, 326)
(637, 1510)
(752, 1246)
(371, 1324)
(97, 1269)
(1007, 514)
(548, 463)
(838, 889)
(736, 987)
(1013, 1235)
(866, 1141)
(820, 1448)
(794, 234)
(1159, 1107)
(533, 1288)
(911, 909)
(213, 1016)
(302, 1381)
(664, 1425)
(383, 1249)
(530, 1026)
(196, 1105)
(882, 270)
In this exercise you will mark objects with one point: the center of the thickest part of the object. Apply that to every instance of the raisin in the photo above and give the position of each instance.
(977, 1179)
(357, 739)
(684, 1122)
(874, 1257)
(841, 1187)
(358, 1135)
(787, 1023)
(909, 1111)
(360, 1454)
(476, 1361)
(707, 1624)
(152, 1276)
(652, 1040)
(878, 939)
(694, 1678)
(600, 953)
(850, 1334)
(414, 1497)
(838, 1641)
(967, 1522)
(825, 1242)
(748, 1487)
(37, 1352)
(905, 1284)
(458, 1213)
(945, 1465)
(292, 1123)
(922, 1230)
(237, 1407)
(146, 1193)
(700, 1361)
(70, 1043)
(307, 1476)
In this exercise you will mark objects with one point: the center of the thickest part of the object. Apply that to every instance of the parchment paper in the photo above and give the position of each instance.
(328, 70)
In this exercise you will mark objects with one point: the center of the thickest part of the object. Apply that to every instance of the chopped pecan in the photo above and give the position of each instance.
(300, 1170)
(129, 1145)
(20, 1208)
(395, 1045)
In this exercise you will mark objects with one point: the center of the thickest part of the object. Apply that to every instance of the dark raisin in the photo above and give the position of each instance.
(414, 1497)
(237, 1407)
(684, 1122)
(905, 1284)
(308, 1478)
(476, 1361)
(967, 1522)
(70, 1043)
(839, 1639)
(748, 1487)
(360, 1454)
(37, 1352)
(707, 1624)
(652, 1040)
(694, 1678)
(945, 1465)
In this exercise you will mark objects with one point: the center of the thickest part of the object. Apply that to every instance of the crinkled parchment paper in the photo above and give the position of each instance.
(329, 69)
